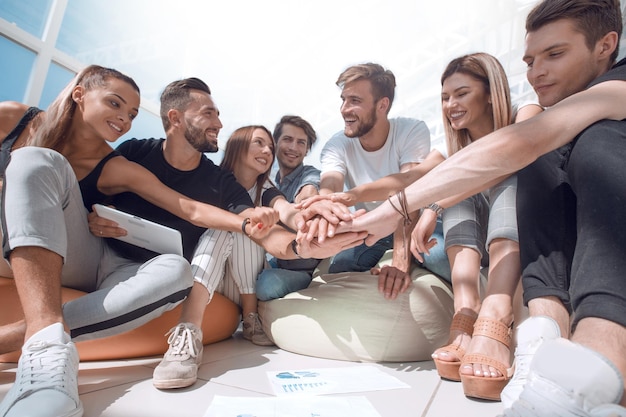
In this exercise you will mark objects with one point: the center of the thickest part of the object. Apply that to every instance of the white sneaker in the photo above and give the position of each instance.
(569, 380)
(179, 367)
(530, 335)
(253, 330)
(609, 410)
(46, 384)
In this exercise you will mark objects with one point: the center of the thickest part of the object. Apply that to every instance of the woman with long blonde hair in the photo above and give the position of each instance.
(479, 231)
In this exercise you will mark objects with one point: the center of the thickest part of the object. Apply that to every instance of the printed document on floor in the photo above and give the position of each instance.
(332, 381)
(290, 407)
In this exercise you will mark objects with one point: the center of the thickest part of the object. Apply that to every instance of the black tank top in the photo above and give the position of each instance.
(7, 143)
(89, 184)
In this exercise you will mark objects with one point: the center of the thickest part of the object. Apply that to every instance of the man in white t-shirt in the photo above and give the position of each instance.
(370, 147)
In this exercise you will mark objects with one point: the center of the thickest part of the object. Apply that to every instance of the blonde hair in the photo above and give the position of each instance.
(382, 81)
(488, 70)
(56, 125)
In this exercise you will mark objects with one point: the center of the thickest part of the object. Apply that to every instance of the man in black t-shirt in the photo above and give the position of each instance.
(191, 121)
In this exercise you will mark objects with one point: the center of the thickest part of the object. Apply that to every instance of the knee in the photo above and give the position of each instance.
(170, 271)
(32, 163)
(269, 286)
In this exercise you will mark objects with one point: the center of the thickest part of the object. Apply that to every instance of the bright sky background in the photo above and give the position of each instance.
(267, 58)
(264, 59)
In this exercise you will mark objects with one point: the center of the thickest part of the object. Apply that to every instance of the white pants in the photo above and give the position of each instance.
(228, 263)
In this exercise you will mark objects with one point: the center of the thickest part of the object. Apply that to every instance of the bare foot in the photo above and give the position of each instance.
(490, 348)
(458, 341)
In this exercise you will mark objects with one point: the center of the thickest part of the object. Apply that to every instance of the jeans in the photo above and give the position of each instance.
(360, 258)
(437, 261)
(276, 283)
(572, 224)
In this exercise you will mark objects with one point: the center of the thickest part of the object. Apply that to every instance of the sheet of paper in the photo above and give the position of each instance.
(290, 407)
(332, 381)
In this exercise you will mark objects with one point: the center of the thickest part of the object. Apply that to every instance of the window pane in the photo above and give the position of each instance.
(146, 125)
(134, 42)
(29, 15)
(58, 77)
(15, 75)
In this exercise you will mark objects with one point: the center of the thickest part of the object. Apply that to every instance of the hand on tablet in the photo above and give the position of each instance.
(101, 227)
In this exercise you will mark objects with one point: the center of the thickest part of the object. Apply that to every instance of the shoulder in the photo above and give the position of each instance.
(10, 114)
(407, 132)
(138, 146)
(337, 140)
(407, 125)
(310, 169)
(525, 110)
(617, 73)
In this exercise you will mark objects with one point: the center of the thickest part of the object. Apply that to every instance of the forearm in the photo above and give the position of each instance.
(331, 182)
(210, 217)
(305, 192)
(380, 189)
(278, 243)
(401, 243)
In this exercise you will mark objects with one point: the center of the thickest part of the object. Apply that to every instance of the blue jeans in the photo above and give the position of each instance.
(437, 262)
(276, 283)
(360, 258)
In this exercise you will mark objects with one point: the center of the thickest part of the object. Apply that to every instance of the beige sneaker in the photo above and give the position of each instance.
(253, 330)
(179, 367)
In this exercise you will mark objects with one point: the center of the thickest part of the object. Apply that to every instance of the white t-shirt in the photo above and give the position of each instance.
(408, 142)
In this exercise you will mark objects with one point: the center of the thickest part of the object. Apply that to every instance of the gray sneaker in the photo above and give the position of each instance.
(253, 330)
(179, 367)
(46, 384)
(530, 335)
(568, 380)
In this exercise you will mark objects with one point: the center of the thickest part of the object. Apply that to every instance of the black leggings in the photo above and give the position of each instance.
(571, 209)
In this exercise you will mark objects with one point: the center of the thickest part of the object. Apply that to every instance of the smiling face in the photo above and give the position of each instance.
(108, 111)
(466, 104)
(292, 147)
(260, 154)
(358, 108)
(202, 122)
(559, 62)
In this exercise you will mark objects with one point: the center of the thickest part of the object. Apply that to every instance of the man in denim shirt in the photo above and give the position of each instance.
(294, 138)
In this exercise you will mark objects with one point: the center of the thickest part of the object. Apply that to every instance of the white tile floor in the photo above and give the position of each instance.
(236, 367)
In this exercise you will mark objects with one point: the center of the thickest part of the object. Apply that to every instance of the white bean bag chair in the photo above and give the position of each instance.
(343, 316)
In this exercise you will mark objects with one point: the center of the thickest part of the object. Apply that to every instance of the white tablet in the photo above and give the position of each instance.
(144, 233)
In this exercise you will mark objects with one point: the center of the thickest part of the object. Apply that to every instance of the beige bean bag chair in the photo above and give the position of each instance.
(221, 318)
(343, 316)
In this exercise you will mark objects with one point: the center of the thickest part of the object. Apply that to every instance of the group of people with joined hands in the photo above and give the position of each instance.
(531, 191)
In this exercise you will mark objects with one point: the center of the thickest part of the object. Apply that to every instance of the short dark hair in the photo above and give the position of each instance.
(296, 121)
(383, 81)
(593, 18)
(177, 96)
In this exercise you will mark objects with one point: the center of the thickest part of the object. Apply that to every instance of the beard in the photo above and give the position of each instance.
(364, 125)
(197, 139)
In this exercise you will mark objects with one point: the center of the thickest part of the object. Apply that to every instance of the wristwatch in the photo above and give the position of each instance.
(436, 208)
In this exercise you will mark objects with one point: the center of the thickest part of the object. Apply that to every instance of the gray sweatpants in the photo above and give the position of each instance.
(43, 207)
